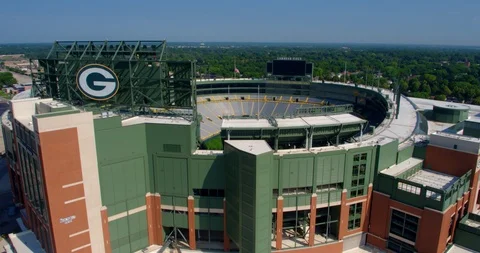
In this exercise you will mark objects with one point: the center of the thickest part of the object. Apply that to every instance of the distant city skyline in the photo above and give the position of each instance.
(428, 22)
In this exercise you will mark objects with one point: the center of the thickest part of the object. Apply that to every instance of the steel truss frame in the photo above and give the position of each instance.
(146, 80)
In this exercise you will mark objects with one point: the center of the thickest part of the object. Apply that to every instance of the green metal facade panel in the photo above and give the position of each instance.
(123, 185)
(174, 219)
(129, 234)
(467, 239)
(468, 236)
(118, 144)
(405, 153)
(209, 202)
(449, 115)
(387, 155)
(249, 192)
(419, 151)
(209, 222)
(207, 172)
(297, 172)
(161, 136)
(171, 177)
(107, 123)
(471, 129)
(232, 192)
(330, 169)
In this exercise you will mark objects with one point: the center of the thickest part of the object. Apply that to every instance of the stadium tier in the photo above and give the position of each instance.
(102, 159)
(215, 108)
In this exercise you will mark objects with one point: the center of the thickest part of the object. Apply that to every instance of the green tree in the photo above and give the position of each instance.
(441, 97)
(403, 85)
(414, 85)
(6, 78)
(446, 91)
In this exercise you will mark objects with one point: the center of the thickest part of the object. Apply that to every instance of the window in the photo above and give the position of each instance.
(356, 158)
(404, 225)
(296, 191)
(399, 246)
(209, 192)
(363, 168)
(409, 188)
(355, 170)
(363, 157)
(326, 224)
(436, 196)
(329, 187)
(358, 179)
(450, 229)
(355, 216)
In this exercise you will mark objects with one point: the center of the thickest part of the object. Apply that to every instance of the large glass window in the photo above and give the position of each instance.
(359, 172)
(355, 216)
(399, 246)
(404, 225)
(326, 224)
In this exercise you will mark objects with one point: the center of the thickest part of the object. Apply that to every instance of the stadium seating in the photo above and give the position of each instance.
(216, 107)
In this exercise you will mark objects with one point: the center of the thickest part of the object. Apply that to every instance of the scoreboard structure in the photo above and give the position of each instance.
(290, 69)
(125, 77)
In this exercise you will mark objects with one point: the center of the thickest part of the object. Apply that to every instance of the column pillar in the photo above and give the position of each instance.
(313, 218)
(106, 232)
(191, 223)
(226, 239)
(278, 244)
(458, 207)
(151, 219)
(343, 224)
(473, 192)
(157, 201)
(366, 209)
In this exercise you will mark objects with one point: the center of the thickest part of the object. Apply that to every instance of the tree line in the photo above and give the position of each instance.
(428, 72)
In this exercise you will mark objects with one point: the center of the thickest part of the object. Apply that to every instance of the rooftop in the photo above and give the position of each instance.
(346, 146)
(254, 147)
(156, 120)
(473, 119)
(452, 106)
(398, 169)
(300, 122)
(457, 137)
(246, 123)
(433, 179)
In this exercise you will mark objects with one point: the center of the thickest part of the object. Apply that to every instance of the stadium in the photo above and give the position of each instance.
(117, 150)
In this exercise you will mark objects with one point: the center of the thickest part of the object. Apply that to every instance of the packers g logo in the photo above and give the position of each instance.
(97, 82)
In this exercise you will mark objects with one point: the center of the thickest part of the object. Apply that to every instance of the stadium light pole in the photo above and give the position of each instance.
(258, 102)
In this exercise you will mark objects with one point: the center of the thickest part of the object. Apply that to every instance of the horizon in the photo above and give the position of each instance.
(379, 22)
(262, 42)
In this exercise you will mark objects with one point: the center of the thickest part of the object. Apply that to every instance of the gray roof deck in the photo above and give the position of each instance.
(300, 122)
(254, 147)
(156, 120)
(433, 179)
(398, 169)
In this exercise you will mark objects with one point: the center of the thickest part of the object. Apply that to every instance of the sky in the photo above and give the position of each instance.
(430, 22)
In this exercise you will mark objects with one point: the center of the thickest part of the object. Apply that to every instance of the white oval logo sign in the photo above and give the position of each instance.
(97, 82)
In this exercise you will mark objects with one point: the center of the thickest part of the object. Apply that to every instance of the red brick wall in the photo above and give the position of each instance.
(449, 161)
